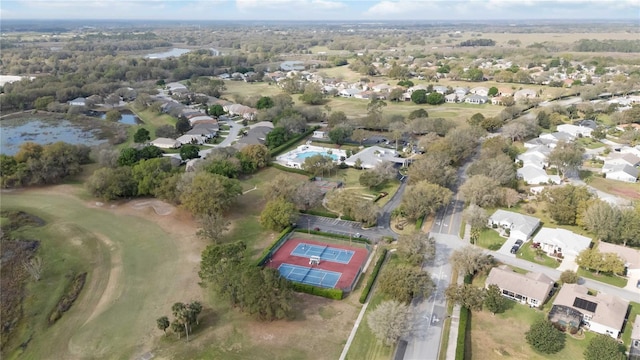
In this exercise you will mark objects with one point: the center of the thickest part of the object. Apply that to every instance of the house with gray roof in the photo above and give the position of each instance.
(255, 136)
(601, 313)
(476, 99)
(521, 227)
(563, 242)
(624, 173)
(531, 288)
(372, 156)
(534, 175)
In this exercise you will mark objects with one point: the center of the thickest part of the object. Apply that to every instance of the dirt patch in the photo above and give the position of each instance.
(160, 207)
(111, 291)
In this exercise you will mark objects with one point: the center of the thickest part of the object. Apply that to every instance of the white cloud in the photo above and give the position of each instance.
(327, 5)
(284, 5)
(389, 7)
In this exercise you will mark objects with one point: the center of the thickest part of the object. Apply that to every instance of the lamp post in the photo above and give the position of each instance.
(309, 226)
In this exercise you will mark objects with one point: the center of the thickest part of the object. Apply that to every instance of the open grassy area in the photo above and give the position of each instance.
(605, 278)
(528, 253)
(619, 188)
(490, 239)
(131, 264)
(503, 336)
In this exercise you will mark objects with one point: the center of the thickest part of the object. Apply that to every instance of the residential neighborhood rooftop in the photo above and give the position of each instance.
(532, 285)
(608, 310)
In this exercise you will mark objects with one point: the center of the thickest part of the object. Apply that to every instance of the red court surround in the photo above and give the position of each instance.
(349, 271)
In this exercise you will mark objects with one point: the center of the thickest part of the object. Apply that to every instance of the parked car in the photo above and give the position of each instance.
(514, 249)
(519, 242)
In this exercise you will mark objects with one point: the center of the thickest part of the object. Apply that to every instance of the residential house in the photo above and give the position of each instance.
(205, 130)
(318, 134)
(533, 175)
(476, 99)
(498, 100)
(538, 142)
(601, 313)
(451, 98)
(241, 110)
(560, 242)
(349, 92)
(194, 119)
(536, 156)
(625, 127)
(441, 89)
(256, 135)
(635, 150)
(520, 226)
(176, 87)
(166, 143)
(531, 288)
(480, 90)
(461, 91)
(192, 139)
(620, 159)
(556, 137)
(505, 91)
(78, 102)
(624, 173)
(372, 156)
(381, 88)
(575, 131)
(587, 123)
(524, 94)
(630, 256)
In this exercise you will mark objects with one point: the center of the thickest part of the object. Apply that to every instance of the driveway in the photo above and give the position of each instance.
(506, 247)
(568, 263)
(632, 283)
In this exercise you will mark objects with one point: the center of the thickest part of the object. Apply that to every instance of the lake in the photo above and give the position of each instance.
(15, 132)
(128, 119)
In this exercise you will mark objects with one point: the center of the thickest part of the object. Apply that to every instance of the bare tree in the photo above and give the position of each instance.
(417, 247)
(390, 321)
(469, 260)
(34, 267)
(213, 225)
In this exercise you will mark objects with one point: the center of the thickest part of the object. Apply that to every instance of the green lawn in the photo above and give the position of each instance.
(605, 278)
(527, 253)
(490, 239)
(365, 345)
(78, 238)
(619, 188)
(626, 334)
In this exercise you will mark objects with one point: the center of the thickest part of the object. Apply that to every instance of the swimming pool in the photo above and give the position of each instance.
(306, 154)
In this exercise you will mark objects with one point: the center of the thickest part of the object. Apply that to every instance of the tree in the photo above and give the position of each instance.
(481, 190)
(34, 267)
(470, 260)
(278, 214)
(113, 116)
(277, 137)
(390, 321)
(435, 98)
(166, 131)
(216, 110)
(476, 216)
(417, 248)
(603, 347)
(264, 102)
(336, 118)
(110, 184)
(149, 174)
(493, 91)
(396, 94)
(424, 199)
(141, 136)
(569, 277)
(163, 323)
(566, 157)
(212, 226)
(419, 97)
(318, 164)
(544, 120)
(282, 186)
(340, 134)
(476, 119)
(404, 283)
(494, 301)
(544, 337)
(307, 196)
(435, 169)
(254, 157)
(498, 167)
(419, 113)
(593, 259)
(359, 135)
(312, 95)
(183, 125)
(603, 220)
(564, 203)
(205, 193)
(467, 295)
(189, 152)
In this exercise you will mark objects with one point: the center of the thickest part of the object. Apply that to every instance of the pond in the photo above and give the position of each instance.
(128, 119)
(15, 132)
(163, 55)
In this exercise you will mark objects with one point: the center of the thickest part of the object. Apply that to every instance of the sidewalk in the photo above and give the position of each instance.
(455, 321)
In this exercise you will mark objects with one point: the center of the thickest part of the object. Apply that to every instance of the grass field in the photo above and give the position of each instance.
(619, 188)
(132, 266)
(503, 336)
(527, 253)
(490, 239)
(605, 278)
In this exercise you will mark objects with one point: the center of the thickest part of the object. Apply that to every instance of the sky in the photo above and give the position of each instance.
(362, 10)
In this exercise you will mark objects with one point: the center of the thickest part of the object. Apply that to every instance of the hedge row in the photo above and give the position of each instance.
(372, 278)
(341, 237)
(288, 169)
(267, 252)
(280, 149)
(419, 223)
(462, 332)
(320, 213)
(335, 294)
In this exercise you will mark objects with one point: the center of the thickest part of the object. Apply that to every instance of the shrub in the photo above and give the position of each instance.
(335, 294)
(267, 252)
(280, 149)
(462, 333)
(569, 277)
(372, 278)
(341, 237)
(320, 213)
(288, 169)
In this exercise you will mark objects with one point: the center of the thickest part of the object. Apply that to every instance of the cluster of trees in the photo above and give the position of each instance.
(285, 196)
(349, 204)
(593, 45)
(594, 260)
(36, 164)
(478, 42)
(185, 317)
(378, 176)
(545, 338)
(613, 224)
(259, 292)
(565, 203)
(402, 281)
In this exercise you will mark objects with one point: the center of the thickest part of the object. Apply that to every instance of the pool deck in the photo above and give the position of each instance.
(290, 159)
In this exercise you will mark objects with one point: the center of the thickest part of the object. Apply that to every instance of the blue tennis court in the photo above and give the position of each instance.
(306, 275)
(325, 253)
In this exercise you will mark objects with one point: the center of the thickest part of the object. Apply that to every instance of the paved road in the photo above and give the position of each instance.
(234, 130)
(342, 227)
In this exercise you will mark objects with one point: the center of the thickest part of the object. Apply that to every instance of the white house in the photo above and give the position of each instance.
(534, 175)
(166, 143)
(620, 159)
(451, 98)
(476, 99)
(319, 134)
(441, 89)
(78, 102)
(381, 87)
(556, 137)
(538, 142)
(575, 131)
(521, 227)
(192, 139)
(561, 241)
(524, 94)
(349, 92)
(601, 313)
(536, 156)
(531, 288)
(372, 156)
(199, 118)
(624, 173)
(480, 90)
